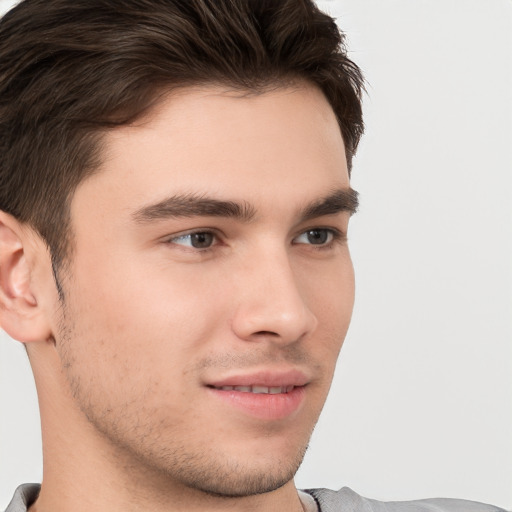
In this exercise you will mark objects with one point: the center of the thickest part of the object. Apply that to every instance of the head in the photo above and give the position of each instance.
(71, 71)
(181, 172)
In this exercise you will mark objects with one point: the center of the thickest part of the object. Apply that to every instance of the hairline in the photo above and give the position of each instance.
(160, 95)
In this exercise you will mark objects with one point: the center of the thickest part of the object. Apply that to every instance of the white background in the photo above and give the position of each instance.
(422, 402)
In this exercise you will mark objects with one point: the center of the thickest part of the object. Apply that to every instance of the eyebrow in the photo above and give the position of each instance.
(191, 205)
(340, 200)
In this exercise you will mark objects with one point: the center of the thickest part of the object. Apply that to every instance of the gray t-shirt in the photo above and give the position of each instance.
(344, 500)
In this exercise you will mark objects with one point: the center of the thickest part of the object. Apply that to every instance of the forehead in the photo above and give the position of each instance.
(224, 143)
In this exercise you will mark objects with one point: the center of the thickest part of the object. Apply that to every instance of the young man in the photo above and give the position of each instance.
(175, 200)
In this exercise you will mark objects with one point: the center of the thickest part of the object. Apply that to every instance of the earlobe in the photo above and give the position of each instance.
(20, 314)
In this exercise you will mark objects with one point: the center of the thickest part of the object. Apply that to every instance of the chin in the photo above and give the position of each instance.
(229, 473)
(238, 480)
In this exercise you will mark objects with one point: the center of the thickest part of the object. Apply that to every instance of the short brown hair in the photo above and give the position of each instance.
(71, 69)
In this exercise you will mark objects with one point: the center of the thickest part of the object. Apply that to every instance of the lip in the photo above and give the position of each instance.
(263, 378)
(262, 406)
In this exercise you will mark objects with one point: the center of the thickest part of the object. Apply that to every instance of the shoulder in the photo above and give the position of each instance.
(347, 500)
(24, 496)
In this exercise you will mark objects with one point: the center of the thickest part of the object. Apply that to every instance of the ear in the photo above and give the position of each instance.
(20, 314)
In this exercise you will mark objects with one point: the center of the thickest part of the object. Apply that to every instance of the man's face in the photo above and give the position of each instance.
(211, 286)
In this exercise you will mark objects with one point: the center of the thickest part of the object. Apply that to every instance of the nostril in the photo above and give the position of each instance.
(266, 333)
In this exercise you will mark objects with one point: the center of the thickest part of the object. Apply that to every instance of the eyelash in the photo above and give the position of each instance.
(192, 233)
(336, 237)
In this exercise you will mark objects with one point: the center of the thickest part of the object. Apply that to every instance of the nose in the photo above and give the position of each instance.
(271, 304)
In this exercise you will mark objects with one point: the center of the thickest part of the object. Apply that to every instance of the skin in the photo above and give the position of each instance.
(148, 321)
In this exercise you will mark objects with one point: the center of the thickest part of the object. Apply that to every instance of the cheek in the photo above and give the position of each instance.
(330, 292)
(149, 311)
(331, 298)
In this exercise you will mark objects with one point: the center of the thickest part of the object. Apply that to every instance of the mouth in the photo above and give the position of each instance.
(258, 390)
(266, 395)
